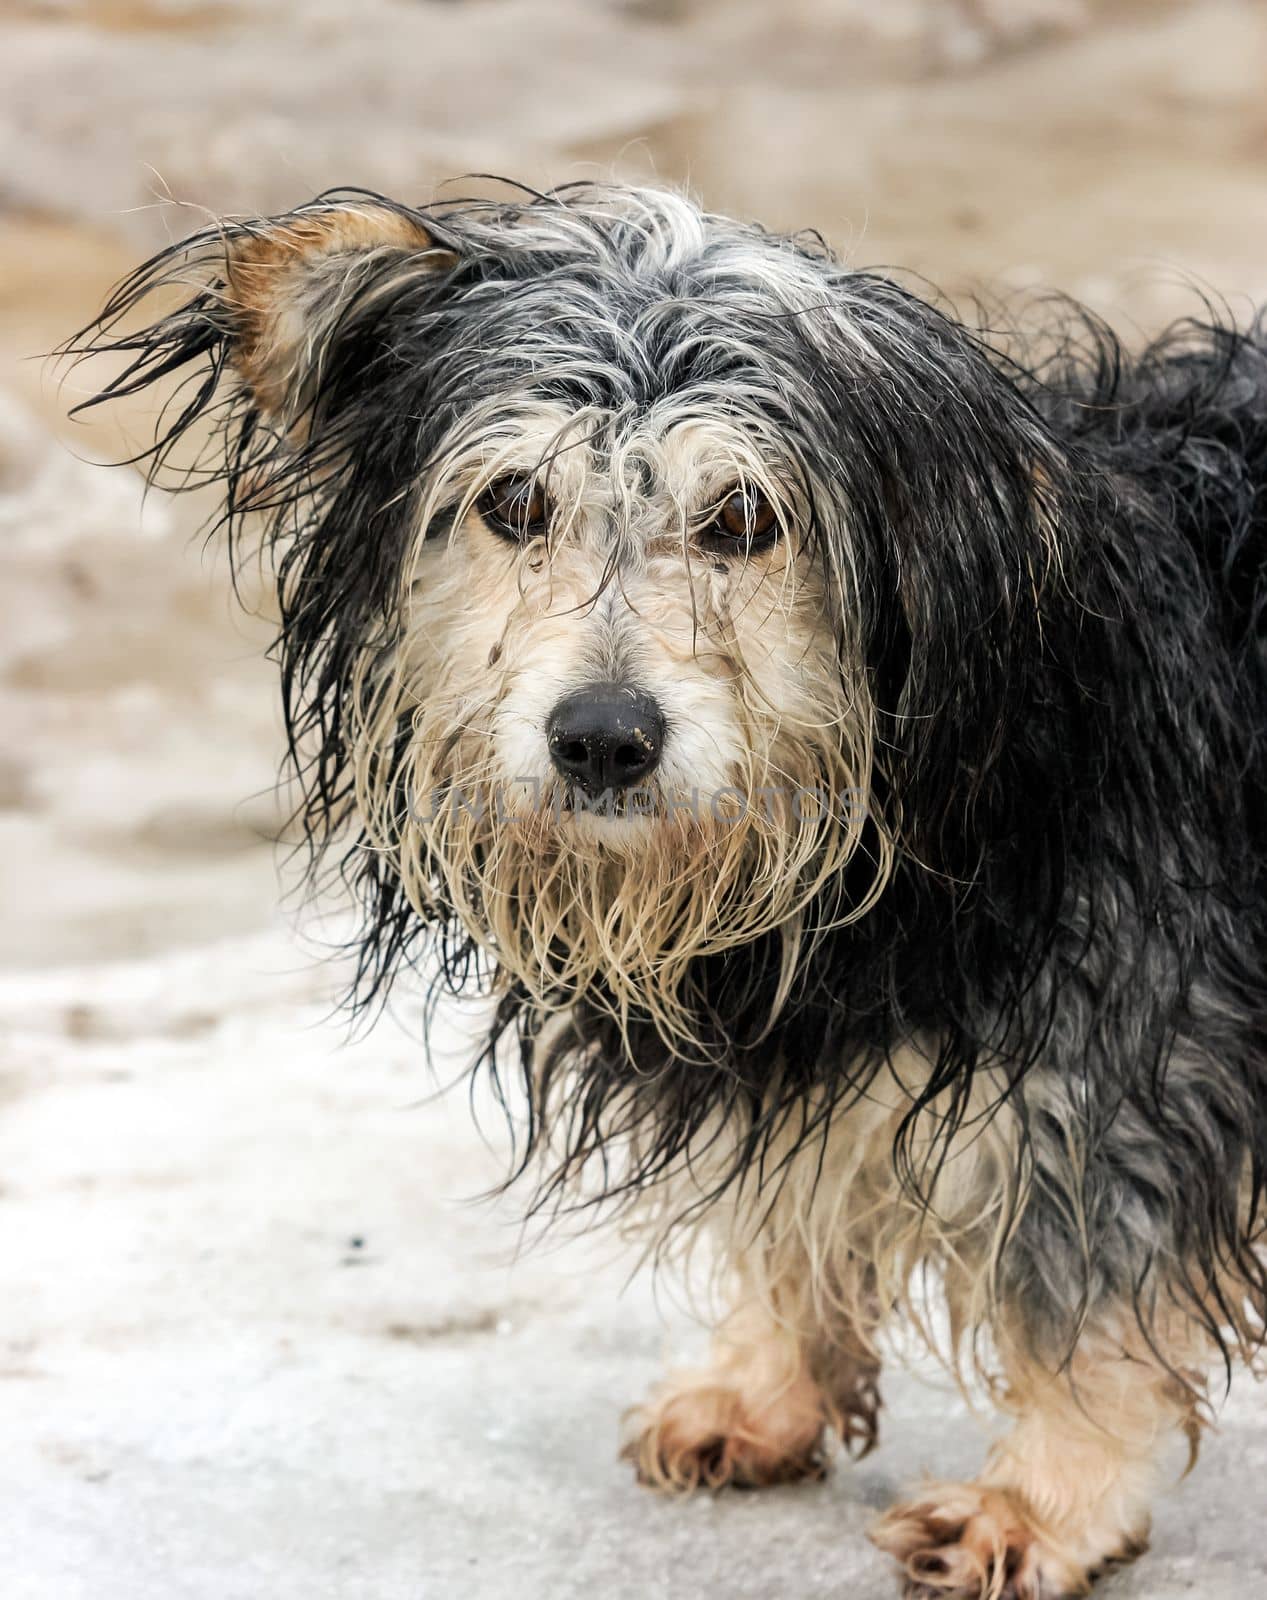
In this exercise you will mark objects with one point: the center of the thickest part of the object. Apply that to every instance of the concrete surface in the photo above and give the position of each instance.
(256, 1344)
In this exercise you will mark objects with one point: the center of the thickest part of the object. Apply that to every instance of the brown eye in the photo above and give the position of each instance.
(515, 507)
(746, 518)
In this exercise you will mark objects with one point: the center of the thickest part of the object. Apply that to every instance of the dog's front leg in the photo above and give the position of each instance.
(1064, 1495)
(759, 1412)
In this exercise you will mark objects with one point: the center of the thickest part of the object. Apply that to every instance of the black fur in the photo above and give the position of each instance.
(1059, 562)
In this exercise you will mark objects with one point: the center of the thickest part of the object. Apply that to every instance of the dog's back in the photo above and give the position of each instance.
(1179, 432)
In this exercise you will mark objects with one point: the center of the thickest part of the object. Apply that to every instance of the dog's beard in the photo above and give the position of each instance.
(614, 903)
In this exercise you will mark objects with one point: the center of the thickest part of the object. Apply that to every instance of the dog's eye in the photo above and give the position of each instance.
(515, 507)
(746, 518)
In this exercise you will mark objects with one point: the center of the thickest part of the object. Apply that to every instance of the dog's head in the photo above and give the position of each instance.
(636, 566)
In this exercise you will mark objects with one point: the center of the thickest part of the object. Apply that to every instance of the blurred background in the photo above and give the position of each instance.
(249, 1341)
(1108, 148)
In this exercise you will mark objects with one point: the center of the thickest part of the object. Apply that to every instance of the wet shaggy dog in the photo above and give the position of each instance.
(837, 743)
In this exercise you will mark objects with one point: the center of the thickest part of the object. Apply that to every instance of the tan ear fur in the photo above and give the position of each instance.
(287, 283)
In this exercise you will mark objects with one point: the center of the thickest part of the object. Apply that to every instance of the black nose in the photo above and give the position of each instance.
(605, 737)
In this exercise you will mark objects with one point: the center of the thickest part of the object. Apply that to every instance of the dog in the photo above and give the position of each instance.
(834, 738)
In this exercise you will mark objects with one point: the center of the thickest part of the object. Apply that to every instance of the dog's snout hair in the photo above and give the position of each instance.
(836, 740)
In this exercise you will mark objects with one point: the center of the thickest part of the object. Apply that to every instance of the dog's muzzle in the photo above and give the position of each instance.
(606, 737)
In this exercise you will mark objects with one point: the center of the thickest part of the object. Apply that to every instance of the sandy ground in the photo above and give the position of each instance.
(255, 1339)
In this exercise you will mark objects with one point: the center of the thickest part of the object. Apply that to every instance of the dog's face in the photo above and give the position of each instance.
(598, 528)
(626, 701)
(621, 635)
(636, 731)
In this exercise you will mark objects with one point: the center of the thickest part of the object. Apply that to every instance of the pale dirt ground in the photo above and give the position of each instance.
(206, 1387)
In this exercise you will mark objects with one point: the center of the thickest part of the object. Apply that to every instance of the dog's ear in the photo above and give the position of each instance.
(265, 310)
(288, 284)
(277, 356)
(953, 498)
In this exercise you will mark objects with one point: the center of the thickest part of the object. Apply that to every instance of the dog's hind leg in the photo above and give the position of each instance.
(1063, 1496)
(761, 1411)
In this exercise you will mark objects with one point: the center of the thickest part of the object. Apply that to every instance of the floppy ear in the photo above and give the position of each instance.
(955, 493)
(271, 303)
(287, 284)
(280, 355)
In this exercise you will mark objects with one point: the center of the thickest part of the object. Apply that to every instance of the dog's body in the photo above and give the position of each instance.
(842, 748)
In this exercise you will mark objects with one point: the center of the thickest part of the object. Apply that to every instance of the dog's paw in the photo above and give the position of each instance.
(965, 1542)
(704, 1433)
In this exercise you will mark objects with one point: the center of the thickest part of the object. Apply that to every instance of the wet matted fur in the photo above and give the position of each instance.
(933, 947)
